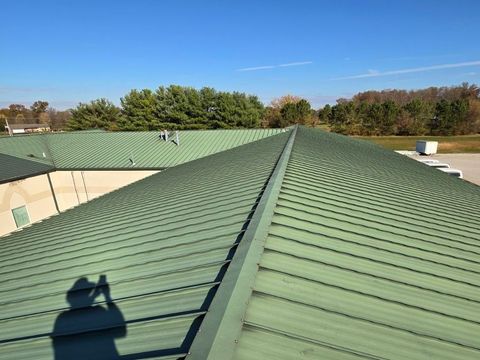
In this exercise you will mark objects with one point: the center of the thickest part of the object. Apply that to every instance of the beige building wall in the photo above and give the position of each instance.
(98, 183)
(71, 188)
(66, 189)
(34, 193)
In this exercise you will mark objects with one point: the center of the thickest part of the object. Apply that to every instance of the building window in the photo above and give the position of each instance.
(21, 217)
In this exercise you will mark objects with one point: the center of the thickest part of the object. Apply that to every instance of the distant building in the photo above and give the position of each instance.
(13, 129)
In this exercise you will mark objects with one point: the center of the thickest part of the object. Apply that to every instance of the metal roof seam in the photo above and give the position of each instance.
(426, 241)
(356, 317)
(290, 335)
(373, 275)
(400, 201)
(387, 246)
(389, 263)
(363, 293)
(341, 201)
(381, 224)
(216, 264)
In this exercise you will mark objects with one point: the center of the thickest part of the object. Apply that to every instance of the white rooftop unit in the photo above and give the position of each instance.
(428, 161)
(438, 165)
(427, 147)
(453, 172)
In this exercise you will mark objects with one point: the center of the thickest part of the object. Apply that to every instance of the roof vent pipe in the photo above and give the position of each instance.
(177, 140)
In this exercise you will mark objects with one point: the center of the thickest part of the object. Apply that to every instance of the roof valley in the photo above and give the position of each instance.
(223, 322)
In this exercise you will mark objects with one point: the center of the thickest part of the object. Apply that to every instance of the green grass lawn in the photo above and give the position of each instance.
(446, 144)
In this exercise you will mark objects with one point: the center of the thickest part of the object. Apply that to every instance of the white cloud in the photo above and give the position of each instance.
(257, 68)
(265, 67)
(299, 63)
(373, 73)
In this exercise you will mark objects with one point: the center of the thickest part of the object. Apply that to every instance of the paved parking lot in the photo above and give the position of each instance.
(468, 163)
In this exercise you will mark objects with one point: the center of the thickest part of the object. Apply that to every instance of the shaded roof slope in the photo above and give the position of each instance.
(30, 147)
(163, 243)
(369, 255)
(14, 168)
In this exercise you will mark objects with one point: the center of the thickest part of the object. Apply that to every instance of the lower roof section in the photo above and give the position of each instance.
(28, 147)
(13, 168)
(137, 150)
(97, 150)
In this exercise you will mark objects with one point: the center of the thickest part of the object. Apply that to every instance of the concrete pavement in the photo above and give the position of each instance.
(468, 163)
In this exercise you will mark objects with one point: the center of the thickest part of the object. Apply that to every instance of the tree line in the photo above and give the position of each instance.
(173, 107)
(432, 111)
(178, 107)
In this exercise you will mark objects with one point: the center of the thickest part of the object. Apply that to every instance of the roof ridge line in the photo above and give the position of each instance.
(46, 141)
(225, 317)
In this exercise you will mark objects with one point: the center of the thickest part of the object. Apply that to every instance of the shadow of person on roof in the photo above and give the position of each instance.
(88, 331)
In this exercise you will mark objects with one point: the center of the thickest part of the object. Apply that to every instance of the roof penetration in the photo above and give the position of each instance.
(305, 245)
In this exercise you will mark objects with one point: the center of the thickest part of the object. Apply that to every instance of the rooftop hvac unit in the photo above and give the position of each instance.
(427, 147)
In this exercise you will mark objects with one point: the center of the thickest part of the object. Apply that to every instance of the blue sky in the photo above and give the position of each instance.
(71, 51)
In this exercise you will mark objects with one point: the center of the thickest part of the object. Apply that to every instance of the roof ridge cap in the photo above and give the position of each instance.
(224, 319)
(46, 143)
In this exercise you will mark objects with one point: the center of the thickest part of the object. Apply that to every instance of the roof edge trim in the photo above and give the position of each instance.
(27, 176)
(223, 322)
(113, 168)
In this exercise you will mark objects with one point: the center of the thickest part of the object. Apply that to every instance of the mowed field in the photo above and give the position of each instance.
(446, 144)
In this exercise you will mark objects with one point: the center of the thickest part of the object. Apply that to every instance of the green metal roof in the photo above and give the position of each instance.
(30, 147)
(369, 255)
(14, 168)
(146, 149)
(304, 245)
(126, 150)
